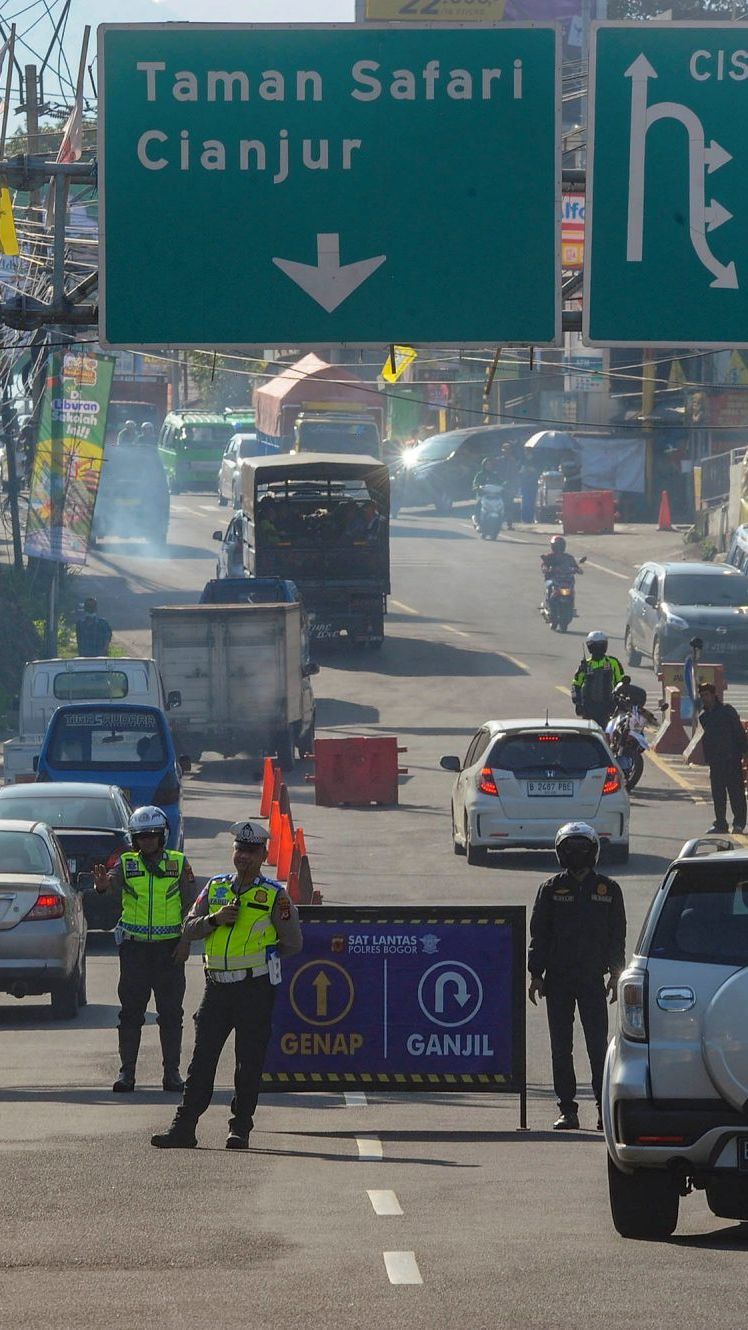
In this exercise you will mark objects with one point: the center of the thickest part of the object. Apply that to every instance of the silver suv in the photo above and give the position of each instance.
(675, 1092)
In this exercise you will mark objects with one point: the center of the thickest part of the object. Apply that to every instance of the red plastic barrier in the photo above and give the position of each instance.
(356, 771)
(590, 512)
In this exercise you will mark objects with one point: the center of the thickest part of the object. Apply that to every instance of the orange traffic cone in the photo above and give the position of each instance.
(299, 842)
(285, 849)
(664, 522)
(268, 785)
(275, 831)
(284, 802)
(306, 886)
(316, 897)
(292, 885)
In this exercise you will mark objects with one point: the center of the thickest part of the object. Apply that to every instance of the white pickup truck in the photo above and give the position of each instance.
(243, 676)
(48, 683)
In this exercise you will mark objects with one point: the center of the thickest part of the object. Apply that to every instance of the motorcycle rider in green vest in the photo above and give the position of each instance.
(593, 684)
(157, 887)
(246, 923)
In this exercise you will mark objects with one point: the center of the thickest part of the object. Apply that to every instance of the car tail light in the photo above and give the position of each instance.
(48, 906)
(546, 738)
(612, 781)
(632, 1012)
(487, 784)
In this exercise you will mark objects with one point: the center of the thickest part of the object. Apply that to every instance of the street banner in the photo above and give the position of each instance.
(69, 455)
(403, 998)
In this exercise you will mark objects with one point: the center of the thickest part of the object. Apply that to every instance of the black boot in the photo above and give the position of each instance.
(180, 1136)
(129, 1044)
(171, 1050)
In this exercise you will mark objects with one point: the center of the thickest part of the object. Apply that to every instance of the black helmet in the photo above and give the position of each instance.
(577, 846)
(558, 545)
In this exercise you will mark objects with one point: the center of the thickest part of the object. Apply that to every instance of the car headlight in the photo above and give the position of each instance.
(675, 621)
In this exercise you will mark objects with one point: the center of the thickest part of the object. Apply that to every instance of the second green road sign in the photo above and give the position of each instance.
(667, 202)
(291, 186)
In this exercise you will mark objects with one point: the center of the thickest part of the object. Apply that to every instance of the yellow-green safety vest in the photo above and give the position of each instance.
(243, 945)
(151, 898)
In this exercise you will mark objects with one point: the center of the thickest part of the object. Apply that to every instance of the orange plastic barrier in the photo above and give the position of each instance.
(590, 512)
(356, 771)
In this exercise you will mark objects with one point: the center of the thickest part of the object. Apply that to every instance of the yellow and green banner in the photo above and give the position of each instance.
(69, 455)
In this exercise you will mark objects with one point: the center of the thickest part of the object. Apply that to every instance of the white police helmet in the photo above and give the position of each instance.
(597, 638)
(148, 818)
(250, 834)
(577, 846)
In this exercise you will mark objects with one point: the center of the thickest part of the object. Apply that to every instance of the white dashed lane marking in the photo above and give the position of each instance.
(355, 1099)
(385, 1202)
(369, 1147)
(402, 1267)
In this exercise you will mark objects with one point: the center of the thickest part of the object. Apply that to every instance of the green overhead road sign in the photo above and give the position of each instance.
(290, 186)
(667, 208)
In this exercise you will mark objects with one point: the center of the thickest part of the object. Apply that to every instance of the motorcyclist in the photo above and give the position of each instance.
(128, 434)
(593, 684)
(558, 561)
(492, 471)
(148, 434)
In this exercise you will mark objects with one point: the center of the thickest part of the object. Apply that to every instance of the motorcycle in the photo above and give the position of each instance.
(488, 518)
(625, 731)
(559, 605)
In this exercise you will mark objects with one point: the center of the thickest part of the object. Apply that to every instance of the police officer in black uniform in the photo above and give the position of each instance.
(577, 936)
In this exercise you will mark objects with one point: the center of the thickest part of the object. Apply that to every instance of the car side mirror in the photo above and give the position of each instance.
(35, 762)
(174, 699)
(185, 762)
(84, 882)
(651, 600)
(311, 667)
(450, 763)
(217, 535)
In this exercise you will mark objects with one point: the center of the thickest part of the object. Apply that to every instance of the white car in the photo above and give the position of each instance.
(238, 447)
(676, 1076)
(522, 779)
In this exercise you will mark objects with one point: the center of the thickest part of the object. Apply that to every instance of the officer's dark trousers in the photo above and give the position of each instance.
(145, 968)
(246, 1008)
(727, 778)
(563, 994)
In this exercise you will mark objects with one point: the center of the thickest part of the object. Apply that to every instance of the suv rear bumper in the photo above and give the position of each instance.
(686, 1136)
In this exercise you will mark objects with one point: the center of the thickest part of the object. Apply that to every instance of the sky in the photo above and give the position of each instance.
(265, 11)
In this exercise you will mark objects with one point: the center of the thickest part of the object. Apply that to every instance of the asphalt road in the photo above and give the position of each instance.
(502, 1229)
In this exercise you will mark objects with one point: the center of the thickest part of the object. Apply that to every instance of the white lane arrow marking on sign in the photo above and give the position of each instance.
(462, 994)
(716, 215)
(715, 156)
(700, 159)
(329, 282)
(639, 72)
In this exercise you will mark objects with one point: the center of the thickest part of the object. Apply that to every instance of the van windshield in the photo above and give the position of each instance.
(90, 686)
(705, 916)
(107, 741)
(705, 589)
(202, 434)
(337, 436)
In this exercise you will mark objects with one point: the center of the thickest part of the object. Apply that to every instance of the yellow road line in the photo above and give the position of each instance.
(559, 689)
(398, 604)
(672, 773)
(458, 631)
(520, 664)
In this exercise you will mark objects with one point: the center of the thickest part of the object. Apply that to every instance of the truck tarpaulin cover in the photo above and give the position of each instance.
(303, 382)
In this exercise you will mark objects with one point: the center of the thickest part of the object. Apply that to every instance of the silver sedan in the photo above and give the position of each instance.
(42, 924)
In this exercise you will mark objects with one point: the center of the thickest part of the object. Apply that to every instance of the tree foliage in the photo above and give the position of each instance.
(680, 9)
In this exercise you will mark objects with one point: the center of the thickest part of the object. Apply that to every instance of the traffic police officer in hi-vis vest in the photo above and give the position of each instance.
(157, 887)
(593, 684)
(246, 923)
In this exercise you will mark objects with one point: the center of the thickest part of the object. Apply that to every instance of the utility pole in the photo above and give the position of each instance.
(176, 381)
(31, 83)
(13, 482)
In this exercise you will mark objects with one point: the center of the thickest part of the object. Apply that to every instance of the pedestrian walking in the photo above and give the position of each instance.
(246, 923)
(157, 888)
(725, 744)
(92, 633)
(577, 936)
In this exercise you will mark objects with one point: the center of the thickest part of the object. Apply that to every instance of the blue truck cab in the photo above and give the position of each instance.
(118, 744)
